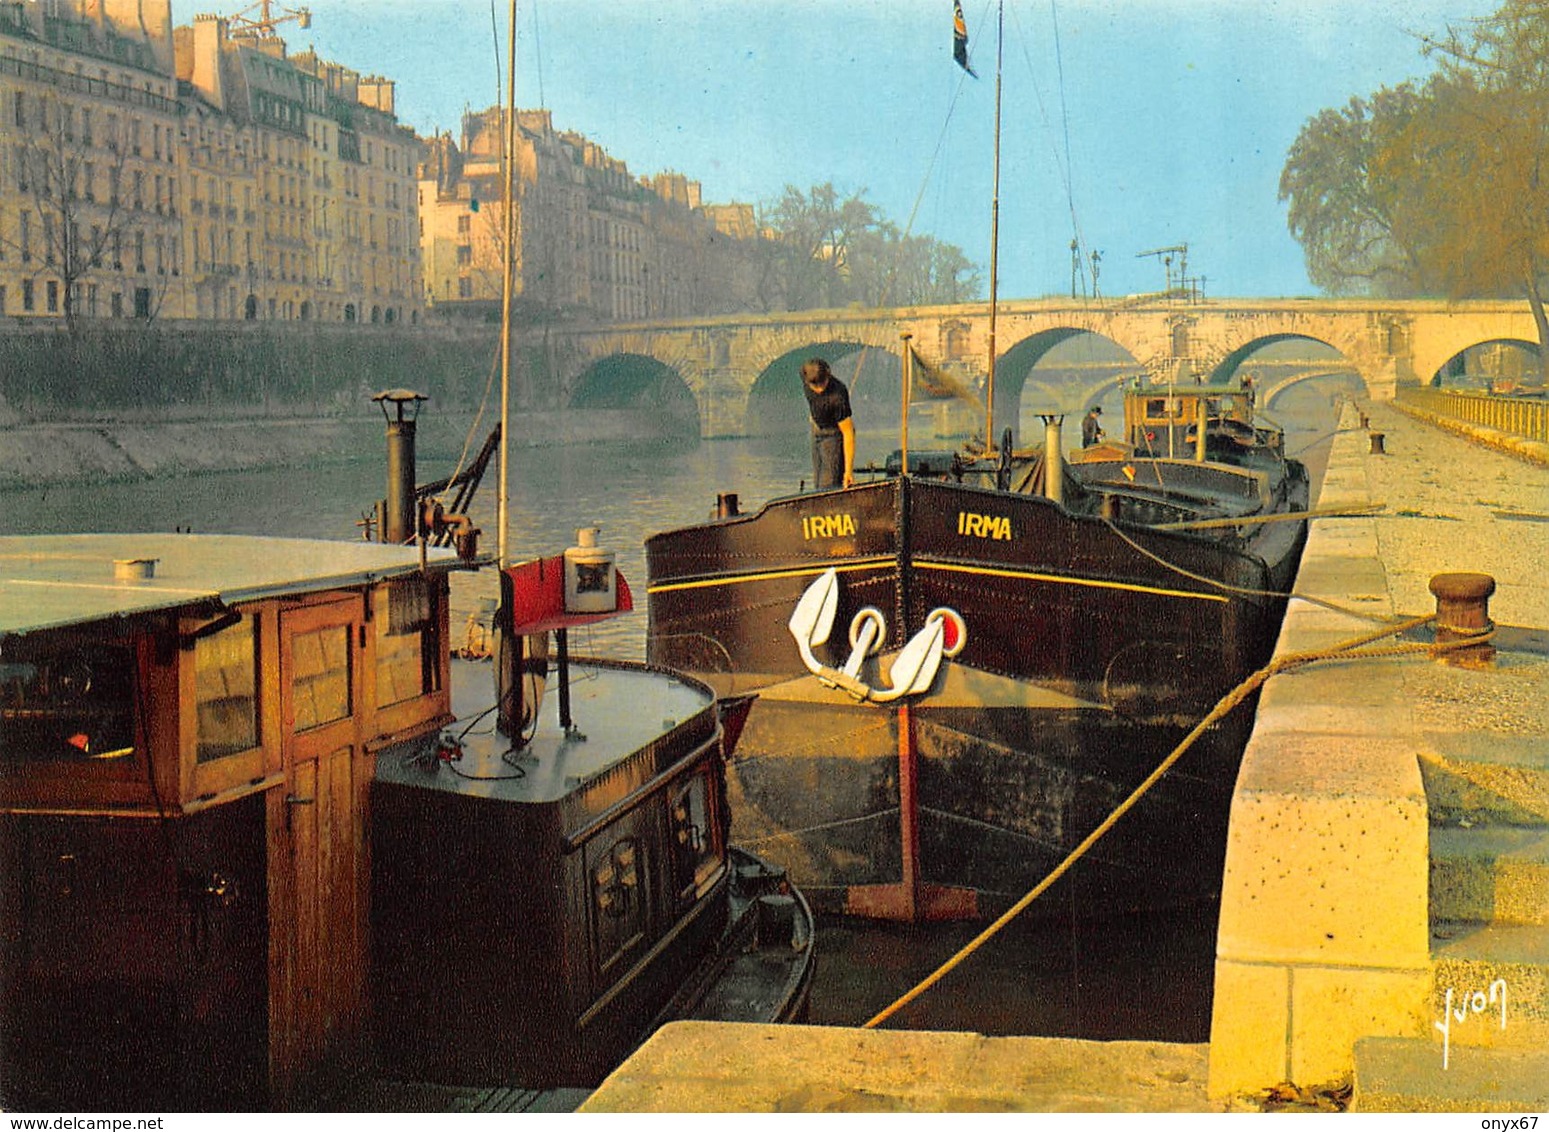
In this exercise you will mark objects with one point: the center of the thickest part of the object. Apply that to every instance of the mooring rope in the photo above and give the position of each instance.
(1250, 591)
(793, 834)
(1355, 647)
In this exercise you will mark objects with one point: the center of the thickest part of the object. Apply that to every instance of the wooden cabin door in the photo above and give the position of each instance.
(320, 903)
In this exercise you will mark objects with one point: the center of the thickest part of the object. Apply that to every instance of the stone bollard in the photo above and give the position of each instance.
(1463, 613)
(1377, 448)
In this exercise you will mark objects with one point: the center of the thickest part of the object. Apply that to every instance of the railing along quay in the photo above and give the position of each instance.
(1520, 416)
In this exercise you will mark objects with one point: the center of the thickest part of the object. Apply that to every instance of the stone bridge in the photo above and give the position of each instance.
(727, 363)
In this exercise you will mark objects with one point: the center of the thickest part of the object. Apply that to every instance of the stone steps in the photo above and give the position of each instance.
(1490, 873)
(1487, 779)
(1486, 1041)
(1470, 960)
(1406, 1075)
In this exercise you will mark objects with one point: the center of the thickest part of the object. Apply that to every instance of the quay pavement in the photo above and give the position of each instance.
(1387, 871)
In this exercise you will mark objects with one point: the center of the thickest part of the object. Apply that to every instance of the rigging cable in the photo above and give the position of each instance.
(1062, 162)
(537, 47)
(892, 273)
(1069, 168)
(489, 382)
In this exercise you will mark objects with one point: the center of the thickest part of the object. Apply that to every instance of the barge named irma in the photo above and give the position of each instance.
(1106, 602)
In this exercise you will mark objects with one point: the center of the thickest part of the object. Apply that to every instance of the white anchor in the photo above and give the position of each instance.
(915, 666)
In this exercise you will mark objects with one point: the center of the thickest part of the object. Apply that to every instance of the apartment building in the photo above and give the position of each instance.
(90, 184)
(315, 216)
(592, 241)
(199, 172)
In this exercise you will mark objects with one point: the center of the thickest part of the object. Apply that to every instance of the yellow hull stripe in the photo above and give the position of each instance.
(983, 571)
(772, 575)
(992, 572)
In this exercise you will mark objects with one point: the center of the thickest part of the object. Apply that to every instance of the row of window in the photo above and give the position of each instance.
(149, 94)
(93, 246)
(86, 299)
(63, 126)
(214, 302)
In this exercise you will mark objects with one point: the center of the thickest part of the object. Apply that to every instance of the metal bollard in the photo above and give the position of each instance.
(726, 505)
(1377, 440)
(1365, 421)
(1462, 614)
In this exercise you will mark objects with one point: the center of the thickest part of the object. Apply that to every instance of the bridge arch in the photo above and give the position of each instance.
(1271, 392)
(1084, 364)
(775, 403)
(638, 384)
(721, 359)
(1483, 363)
(1227, 368)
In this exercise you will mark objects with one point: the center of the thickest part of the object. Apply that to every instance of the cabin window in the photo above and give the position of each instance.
(320, 676)
(407, 645)
(226, 690)
(696, 840)
(65, 698)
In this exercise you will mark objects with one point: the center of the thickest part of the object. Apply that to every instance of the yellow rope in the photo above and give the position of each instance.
(1360, 614)
(1353, 647)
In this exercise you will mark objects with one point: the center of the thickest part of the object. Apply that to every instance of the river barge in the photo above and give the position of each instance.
(261, 844)
(1108, 598)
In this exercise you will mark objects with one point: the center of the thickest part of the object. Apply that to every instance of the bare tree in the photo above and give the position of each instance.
(77, 194)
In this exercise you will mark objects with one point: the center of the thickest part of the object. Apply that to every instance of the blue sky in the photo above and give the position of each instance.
(1173, 117)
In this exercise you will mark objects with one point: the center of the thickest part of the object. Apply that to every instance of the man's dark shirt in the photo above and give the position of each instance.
(830, 406)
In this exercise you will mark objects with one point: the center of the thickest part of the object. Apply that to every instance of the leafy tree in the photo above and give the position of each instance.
(1349, 223)
(1484, 222)
(830, 251)
(1441, 188)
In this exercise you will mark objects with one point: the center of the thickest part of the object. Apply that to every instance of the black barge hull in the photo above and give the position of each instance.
(539, 911)
(1092, 648)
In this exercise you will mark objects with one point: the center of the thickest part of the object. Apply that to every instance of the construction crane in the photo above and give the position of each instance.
(1178, 281)
(269, 15)
(1181, 251)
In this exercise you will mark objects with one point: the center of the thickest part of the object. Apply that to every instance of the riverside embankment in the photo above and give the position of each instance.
(1387, 861)
(151, 401)
(41, 454)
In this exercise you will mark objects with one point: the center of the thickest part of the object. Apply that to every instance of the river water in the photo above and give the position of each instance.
(1063, 976)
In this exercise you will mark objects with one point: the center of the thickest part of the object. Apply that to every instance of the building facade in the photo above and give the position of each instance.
(592, 241)
(89, 122)
(200, 172)
(314, 209)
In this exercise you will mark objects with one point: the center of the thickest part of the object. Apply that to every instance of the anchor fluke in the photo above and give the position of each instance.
(914, 668)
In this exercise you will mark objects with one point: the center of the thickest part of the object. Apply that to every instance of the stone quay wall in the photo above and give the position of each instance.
(177, 399)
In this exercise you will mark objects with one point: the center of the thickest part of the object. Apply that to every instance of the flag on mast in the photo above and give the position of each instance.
(933, 383)
(960, 38)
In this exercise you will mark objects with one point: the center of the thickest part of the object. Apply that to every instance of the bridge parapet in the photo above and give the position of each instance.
(722, 359)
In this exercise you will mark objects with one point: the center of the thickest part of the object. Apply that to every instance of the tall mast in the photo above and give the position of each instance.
(989, 388)
(508, 220)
